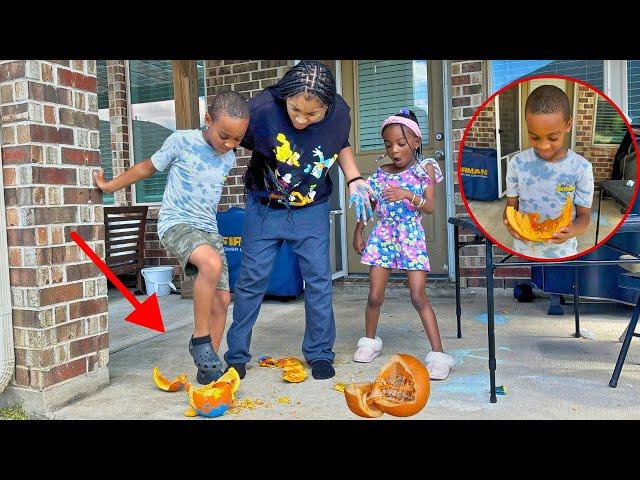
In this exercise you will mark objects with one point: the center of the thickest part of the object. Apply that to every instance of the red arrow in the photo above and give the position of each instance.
(146, 314)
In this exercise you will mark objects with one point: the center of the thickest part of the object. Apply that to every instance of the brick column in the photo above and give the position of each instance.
(119, 118)
(51, 140)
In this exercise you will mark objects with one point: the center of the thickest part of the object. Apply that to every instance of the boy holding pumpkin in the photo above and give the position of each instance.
(540, 178)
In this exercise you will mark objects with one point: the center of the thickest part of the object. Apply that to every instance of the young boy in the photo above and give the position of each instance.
(540, 178)
(198, 162)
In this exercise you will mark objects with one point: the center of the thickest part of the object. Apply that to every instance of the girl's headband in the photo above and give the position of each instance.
(407, 122)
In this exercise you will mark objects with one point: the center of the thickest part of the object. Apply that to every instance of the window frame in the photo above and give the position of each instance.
(356, 113)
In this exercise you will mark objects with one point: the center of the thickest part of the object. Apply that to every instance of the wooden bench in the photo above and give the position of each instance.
(124, 240)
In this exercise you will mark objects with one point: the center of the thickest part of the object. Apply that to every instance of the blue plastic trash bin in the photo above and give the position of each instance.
(479, 172)
(286, 278)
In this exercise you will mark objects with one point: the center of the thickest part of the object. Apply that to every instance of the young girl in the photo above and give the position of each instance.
(405, 189)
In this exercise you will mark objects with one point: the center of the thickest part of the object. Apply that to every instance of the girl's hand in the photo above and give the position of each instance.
(361, 194)
(358, 244)
(562, 235)
(100, 181)
(394, 194)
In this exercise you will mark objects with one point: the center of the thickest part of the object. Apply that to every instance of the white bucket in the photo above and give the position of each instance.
(158, 280)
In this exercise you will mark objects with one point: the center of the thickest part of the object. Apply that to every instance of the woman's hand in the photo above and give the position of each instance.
(360, 194)
(394, 194)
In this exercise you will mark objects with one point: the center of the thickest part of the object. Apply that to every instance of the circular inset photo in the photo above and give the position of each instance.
(548, 168)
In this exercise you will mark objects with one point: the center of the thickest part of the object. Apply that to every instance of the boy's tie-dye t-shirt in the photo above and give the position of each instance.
(542, 187)
(196, 176)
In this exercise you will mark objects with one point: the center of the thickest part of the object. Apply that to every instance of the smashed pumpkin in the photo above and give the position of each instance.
(168, 385)
(269, 362)
(401, 389)
(211, 400)
(288, 362)
(527, 226)
(294, 374)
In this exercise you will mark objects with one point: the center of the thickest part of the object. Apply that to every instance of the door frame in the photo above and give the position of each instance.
(502, 189)
(448, 165)
(342, 213)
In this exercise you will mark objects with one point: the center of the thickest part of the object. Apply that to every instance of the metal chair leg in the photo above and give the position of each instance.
(625, 345)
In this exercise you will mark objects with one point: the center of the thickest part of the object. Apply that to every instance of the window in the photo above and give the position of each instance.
(104, 126)
(384, 87)
(609, 127)
(153, 119)
(153, 116)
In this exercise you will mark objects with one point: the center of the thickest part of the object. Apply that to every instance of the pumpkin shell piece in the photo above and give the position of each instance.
(359, 402)
(168, 385)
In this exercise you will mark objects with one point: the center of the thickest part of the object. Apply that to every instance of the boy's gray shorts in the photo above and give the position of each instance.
(182, 239)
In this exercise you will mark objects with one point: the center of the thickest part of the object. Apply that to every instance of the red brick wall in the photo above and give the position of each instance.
(600, 156)
(483, 130)
(50, 133)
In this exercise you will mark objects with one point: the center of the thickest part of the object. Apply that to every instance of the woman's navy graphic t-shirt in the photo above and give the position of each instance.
(290, 167)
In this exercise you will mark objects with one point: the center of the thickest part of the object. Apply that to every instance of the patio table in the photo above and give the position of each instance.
(631, 225)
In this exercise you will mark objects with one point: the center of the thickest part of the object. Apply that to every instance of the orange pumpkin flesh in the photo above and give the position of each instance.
(267, 362)
(402, 387)
(358, 396)
(527, 226)
(211, 400)
(294, 375)
(288, 362)
(232, 378)
(168, 386)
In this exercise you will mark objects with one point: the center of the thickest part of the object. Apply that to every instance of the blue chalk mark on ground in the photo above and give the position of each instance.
(460, 354)
(498, 319)
(477, 384)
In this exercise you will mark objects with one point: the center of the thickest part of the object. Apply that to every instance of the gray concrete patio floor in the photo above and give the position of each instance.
(548, 374)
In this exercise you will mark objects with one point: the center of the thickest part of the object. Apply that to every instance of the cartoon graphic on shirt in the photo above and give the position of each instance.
(296, 199)
(284, 153)
(285, 184)
(318, 167)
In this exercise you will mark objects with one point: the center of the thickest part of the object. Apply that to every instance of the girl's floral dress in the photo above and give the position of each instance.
(398, 239)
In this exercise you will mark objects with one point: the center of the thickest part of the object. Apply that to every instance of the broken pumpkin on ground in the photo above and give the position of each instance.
(211, 400)
(527, 226)
(401, 389)
(215, 398)
(168, 385)
(292, 368)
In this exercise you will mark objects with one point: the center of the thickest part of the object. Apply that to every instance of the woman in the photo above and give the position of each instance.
(297, 129)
